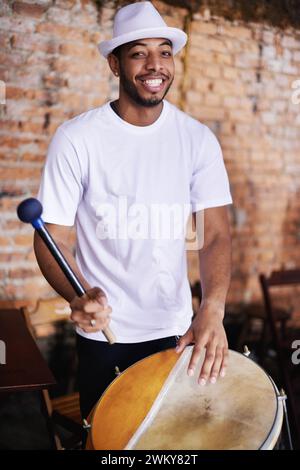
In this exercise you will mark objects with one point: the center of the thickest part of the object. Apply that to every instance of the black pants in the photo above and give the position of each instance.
(97, 361)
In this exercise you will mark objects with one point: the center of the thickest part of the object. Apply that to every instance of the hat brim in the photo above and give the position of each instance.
(175, 35)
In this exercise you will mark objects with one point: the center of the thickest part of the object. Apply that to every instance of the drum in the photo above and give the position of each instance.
(155, 405)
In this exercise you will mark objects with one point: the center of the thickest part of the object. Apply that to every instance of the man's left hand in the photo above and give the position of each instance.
(207, 331)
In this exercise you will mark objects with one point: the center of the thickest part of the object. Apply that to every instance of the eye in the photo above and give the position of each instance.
(141, 54)
(136, 54)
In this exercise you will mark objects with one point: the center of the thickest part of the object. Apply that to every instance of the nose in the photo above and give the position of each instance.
(153, 62)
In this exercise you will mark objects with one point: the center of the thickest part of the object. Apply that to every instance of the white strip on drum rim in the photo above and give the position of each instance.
(180, 364)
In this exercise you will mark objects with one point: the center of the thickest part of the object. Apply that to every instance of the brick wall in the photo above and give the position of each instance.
(237, 78)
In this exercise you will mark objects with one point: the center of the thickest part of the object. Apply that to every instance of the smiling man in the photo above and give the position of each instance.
(109, 168)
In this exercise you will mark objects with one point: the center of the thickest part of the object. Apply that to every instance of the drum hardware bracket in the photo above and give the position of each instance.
(86, 425)
(117, 371)
(282, 395)
(246, 351)
(283, 398)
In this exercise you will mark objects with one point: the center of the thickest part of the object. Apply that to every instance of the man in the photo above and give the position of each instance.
(137, 152)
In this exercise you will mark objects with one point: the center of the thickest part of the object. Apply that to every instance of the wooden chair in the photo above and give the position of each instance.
(282, 343)
(256, 311)
(47, 313)
(64, 410)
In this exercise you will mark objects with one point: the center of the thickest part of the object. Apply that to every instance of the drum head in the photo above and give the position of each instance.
(155, 405)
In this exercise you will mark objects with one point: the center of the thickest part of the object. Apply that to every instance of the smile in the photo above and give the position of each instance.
(156, 84)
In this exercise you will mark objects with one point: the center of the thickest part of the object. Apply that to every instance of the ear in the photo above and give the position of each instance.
(113, 64)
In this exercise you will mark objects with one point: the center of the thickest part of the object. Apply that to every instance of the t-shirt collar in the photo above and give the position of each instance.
(137, 129)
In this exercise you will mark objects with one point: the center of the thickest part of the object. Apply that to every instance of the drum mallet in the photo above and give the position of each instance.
(30, 211)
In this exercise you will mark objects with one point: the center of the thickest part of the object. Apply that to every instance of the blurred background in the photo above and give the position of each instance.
(240, 75)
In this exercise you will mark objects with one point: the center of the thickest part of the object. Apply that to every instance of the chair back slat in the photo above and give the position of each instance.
(284, 277)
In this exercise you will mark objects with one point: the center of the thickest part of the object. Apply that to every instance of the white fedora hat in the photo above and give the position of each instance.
(139, 21)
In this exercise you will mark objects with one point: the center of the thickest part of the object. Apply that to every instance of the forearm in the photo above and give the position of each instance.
(215, 270)
(52, 271)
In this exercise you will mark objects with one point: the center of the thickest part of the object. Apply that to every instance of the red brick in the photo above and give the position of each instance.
(23, 273)
(10, 257)
(32, 157)
(205, 28)
(4, 241)
(65, 4)
(63, 32)
(238, 32)
(19, 172)
(12, 60)
(4, 40)
(33, 10)
(54, 80)
(33, 42)
(76, 50)
(23, 240)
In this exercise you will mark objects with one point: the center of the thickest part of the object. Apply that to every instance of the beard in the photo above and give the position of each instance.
(131, 90)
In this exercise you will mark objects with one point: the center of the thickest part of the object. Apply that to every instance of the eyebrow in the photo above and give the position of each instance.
(165, 43)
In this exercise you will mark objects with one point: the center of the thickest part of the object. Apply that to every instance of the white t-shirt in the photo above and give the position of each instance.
(103, 174)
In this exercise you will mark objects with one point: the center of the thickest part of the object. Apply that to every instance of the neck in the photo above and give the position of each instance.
(135, 114)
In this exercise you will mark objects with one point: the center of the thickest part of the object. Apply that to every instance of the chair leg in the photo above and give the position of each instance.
(243, 335)
(46, 409)
(283, 329)
(264, 342)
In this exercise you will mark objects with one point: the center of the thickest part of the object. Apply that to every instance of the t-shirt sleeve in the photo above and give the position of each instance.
(61, 186)
(209, 183)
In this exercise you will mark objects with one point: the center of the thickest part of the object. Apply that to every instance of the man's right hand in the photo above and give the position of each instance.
(92, 305)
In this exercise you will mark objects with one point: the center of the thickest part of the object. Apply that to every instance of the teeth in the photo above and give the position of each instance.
(156, 82)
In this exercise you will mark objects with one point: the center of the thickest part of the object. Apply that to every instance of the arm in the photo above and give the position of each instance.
(49, 266)
(215, 257)
(207, 330)
(92, 305)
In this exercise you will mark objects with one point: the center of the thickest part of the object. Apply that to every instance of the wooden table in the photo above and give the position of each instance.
(25, 368)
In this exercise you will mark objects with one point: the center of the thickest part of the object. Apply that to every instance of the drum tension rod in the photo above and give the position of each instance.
(283, 397)
(246, 351)
(86, 425)
(117, 371)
